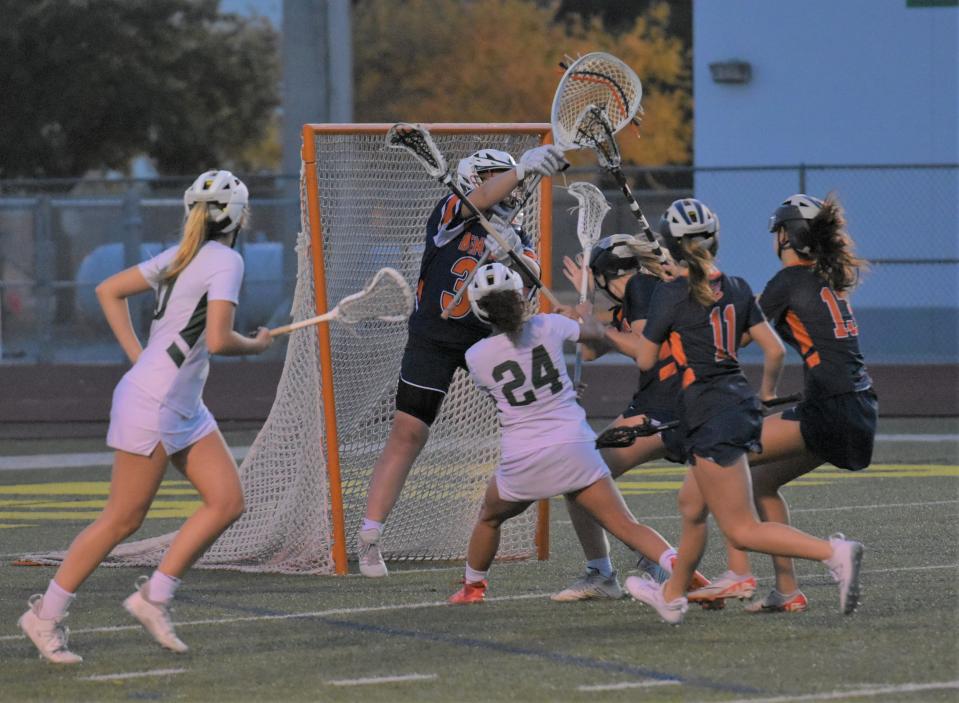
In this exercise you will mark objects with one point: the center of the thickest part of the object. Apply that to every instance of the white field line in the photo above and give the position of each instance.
(132, 675)
(630, 684)
(400, 606)
(858, 693)
(86, 459)
(382, 679)
(293, 616)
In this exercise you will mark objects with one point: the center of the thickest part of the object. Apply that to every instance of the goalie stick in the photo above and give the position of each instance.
(417, 140)
(386, 297)
(607, 95)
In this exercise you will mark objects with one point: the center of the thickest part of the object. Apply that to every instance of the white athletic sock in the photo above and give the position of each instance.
(471, 575)
(55, 602)
(162, 587)
(666, 560)
(372, 525)
(603, 566)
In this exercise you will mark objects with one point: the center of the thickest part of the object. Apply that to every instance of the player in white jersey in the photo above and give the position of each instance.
(548, 448)
(158, 413)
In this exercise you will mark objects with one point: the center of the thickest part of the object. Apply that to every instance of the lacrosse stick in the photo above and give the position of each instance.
(602, 96)
(782, 400)
(386, 297)
(592, 209)
(625, 436)
(418, 141)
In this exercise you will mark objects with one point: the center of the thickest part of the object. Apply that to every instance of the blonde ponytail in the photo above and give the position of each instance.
(700, 262)
(643, 251)
(194, 235)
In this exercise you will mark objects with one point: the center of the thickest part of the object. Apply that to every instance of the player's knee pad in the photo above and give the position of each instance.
(422, 403)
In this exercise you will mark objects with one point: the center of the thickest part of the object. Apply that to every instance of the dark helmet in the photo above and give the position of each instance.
(688, 217)
(794, 216)
(612, 257)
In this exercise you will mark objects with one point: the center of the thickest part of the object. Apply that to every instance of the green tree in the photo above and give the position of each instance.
(497, 61)
(87, 84)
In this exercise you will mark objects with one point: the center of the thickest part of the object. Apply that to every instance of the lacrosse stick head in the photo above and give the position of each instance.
(595, 131)
(597, 79)
(591, 211)
(386, 297)
(417, 140)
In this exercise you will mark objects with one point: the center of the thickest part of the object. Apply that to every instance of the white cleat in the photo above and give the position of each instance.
(369, 555)
(645, 589)
(844, 565)
(155, 617)
(49, 636)
(591, 586)
(729, 585)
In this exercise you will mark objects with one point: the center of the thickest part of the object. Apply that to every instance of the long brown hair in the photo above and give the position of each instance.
(700, 261)
(506, 310)
(831, 247)
(643, 251)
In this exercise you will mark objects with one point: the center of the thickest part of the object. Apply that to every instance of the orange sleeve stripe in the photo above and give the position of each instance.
(450, 210)
(668, 371)
(803, 338)
(676, 348)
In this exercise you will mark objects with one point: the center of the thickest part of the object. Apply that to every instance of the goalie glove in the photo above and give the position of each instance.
(544, 160)
(511, 237)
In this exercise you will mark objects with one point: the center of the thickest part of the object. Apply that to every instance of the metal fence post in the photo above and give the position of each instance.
(132, 228)
(44, 272)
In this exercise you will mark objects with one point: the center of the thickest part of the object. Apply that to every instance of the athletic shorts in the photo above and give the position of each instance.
(550, 471)
(425, 375)
(841, 429)
(728, 435)
(672, 439)
(138, 423)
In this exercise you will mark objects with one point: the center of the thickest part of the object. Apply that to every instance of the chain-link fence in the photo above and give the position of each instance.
(60, 238)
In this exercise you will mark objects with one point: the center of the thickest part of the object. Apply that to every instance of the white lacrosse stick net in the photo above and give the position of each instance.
(592, 210)
(597, 79)
(419, 142)
(386, 297)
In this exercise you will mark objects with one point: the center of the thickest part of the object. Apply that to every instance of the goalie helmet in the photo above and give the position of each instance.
(225, 195)
(688, 217)
(612, 257)
(793, 216)
(491, 278)
(469, 171)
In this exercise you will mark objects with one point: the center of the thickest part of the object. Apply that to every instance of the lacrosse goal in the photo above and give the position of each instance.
(364, 206)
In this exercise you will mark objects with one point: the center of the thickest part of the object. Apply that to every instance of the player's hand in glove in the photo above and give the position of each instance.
(544, 160)
(511, 237)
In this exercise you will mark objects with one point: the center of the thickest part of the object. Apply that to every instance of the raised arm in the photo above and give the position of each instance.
(112, 294)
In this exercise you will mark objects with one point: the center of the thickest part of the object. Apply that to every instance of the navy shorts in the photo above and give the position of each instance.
(672, 439)
(727, 435)
(841, 429)
(425, 375)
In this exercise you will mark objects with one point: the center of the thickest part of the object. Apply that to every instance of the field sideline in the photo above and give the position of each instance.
(279, 638)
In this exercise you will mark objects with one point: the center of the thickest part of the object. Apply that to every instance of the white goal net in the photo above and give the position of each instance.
(373, 204)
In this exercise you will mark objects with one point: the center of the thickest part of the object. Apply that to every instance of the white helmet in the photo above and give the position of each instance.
(225, 195)
(491, 278)
(688, 217)
(469, 170)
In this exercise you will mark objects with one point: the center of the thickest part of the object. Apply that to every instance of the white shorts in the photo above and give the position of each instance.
(550, 471)
(138, 423)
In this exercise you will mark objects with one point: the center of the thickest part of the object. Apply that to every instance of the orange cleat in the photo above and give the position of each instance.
(470, 593)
